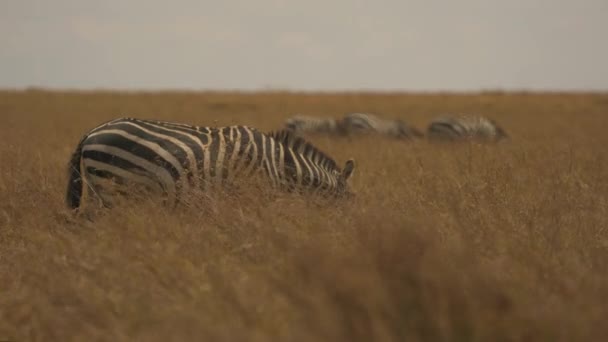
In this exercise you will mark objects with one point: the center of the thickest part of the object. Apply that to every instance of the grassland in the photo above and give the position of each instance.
(464, 242)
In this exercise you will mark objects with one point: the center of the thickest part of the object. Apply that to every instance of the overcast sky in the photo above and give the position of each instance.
(421, 45)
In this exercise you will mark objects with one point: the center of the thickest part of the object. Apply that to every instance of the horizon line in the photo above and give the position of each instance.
(481, 90)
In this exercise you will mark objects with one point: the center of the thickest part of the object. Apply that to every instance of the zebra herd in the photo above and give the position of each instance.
(458, 128)
(174, 159)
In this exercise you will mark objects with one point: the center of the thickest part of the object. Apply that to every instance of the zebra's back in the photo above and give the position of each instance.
(300, 124)
(465, 127)
(360, 123)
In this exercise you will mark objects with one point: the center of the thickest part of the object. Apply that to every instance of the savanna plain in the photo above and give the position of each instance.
(442, 242)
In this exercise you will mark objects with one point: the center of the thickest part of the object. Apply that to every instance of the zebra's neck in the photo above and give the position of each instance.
(299, 145)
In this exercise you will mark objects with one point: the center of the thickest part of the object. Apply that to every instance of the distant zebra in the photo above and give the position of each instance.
(310, 124)
(465, 127)
(175, 158)
(355, 123)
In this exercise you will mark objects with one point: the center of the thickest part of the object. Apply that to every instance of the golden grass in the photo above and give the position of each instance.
(463, 242)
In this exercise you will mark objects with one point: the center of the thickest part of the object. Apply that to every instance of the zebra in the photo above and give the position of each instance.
(310, 124)
(356, 123)
(465, 127)
(174, 158)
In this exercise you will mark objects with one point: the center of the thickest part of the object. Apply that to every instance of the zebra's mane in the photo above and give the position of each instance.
(298, 144)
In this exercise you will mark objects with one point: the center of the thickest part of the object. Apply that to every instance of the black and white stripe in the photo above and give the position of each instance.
(356, 123)
(465, 127)
(174, 159)
(310, 124)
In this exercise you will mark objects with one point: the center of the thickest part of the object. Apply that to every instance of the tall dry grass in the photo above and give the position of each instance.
(442, 242)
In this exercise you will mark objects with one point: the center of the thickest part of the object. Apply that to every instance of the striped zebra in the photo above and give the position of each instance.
(356, 123)
(174, 158)
(465, 127)
(310, 124)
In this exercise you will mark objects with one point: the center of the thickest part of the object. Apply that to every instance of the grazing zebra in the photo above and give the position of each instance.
(465, 127)
(310, 124)
(355, 123)
(175, 158)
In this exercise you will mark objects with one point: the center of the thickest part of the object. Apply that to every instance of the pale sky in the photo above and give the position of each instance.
(420, 45)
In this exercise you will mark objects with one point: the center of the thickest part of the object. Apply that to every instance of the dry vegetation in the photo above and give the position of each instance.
(442, 242)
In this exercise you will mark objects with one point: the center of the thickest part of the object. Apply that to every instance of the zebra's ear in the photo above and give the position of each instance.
(348, 170)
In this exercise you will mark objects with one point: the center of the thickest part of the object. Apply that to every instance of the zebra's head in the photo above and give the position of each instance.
(318, 170)
(500, 132)
(343, 189)
(406, 131)
(293, 124)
